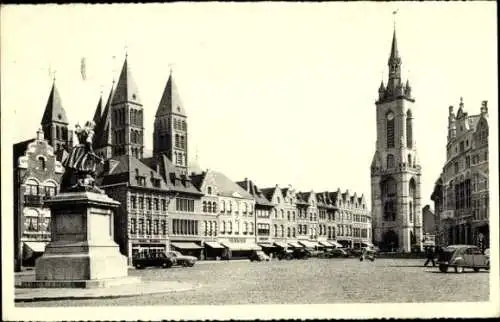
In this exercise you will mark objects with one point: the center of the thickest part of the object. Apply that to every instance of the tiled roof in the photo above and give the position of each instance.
(127, 168)
(268, 193)
(227, 187)
(252, 188)
(176, 181)
(170, 101)
(197, 179)
(54, 112)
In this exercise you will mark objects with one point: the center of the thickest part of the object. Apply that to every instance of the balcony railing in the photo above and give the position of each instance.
(33, 200)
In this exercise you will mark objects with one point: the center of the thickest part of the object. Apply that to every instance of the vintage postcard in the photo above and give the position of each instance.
(249, 161)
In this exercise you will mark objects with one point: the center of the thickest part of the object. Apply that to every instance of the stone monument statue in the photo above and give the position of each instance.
(81, 163)
(82, 252)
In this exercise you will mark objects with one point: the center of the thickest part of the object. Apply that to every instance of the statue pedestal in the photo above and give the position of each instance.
(82, 252)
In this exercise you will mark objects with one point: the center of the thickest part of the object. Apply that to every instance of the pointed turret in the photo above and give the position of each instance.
(102, 141)
(408, 88)
(126, 89)
(394, 57)
(54, 112)
(54, 122)
(98, 112)
(170, 100)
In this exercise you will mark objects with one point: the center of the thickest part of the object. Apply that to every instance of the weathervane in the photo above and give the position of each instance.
(394, 17)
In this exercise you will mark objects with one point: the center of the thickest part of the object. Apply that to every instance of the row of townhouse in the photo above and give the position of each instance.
(461, 193)
(165, 204)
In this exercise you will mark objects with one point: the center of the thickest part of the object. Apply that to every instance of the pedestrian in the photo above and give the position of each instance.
(429, 254)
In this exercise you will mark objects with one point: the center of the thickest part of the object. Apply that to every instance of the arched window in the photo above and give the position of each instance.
(41, 159)
(390, 129)
(177, 140)
(294, 232)
(390, 161)
(411, 211)
(275, 230)
(223, 206)
(409, 130)
(282, 229)
(282, 213)
(275, 213)
(204, 206)
(246, 227)
(288, 232)
(223, 227)
(409, 160)
(288, 215)
(214, 206)
(31, 187)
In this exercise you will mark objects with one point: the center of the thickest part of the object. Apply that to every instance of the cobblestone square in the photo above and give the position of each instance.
(313, 281)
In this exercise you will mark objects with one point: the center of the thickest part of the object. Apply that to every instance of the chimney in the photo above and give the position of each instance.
(484, 107)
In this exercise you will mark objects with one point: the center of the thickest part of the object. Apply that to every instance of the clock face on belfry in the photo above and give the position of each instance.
(390, 116)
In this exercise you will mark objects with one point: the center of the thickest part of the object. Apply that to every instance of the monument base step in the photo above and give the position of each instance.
(97, 283)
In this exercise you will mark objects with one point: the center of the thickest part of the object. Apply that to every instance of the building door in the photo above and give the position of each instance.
(390, 240)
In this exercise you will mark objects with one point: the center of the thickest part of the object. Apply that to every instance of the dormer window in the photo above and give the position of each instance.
(209, 190)
(41, 159)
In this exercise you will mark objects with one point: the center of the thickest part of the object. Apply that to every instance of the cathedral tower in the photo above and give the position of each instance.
(126, 116)
(170, 134)
(55, 124)
(395, 169)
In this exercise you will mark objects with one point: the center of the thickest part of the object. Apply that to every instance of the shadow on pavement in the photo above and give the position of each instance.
(452, 272)
(409, 266)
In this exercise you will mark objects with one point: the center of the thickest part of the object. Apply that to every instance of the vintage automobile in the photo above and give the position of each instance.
(284, 254)
(462, 256)
(300, 253)
(337, 252)
(182, 260)
(152, 260)
(258, 256)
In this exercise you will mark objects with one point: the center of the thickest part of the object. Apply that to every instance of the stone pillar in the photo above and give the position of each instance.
(82, 252)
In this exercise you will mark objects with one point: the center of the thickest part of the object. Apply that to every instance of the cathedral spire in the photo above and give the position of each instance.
(126, 89)
(170, 101)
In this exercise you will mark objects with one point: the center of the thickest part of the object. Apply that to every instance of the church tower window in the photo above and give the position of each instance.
(409, 130)
(390, 130)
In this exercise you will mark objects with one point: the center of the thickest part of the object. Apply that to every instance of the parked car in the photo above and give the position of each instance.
(182, 260)
(337, 252)
(313, 252)
(462, 256)
(487, 253)
(152, 260)
(259, 256)
(284, 254)
(300, 253)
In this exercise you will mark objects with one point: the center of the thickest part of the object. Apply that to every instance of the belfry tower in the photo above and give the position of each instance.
(170, 135)
(395, 169)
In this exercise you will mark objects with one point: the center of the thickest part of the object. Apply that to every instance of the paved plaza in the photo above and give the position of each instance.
(313, 281)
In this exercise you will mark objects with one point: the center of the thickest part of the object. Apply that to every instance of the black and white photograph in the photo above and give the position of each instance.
(267, 160)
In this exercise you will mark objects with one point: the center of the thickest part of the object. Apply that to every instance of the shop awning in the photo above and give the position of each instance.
(266, 245)
(336, 244)
(36, 247)
(295, 245)
(326, 244)
(241, 246)
(213, 244)
(185, 245)
(280, 244)
(308, 244)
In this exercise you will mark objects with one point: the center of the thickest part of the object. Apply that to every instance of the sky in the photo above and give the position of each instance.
(279, 93)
